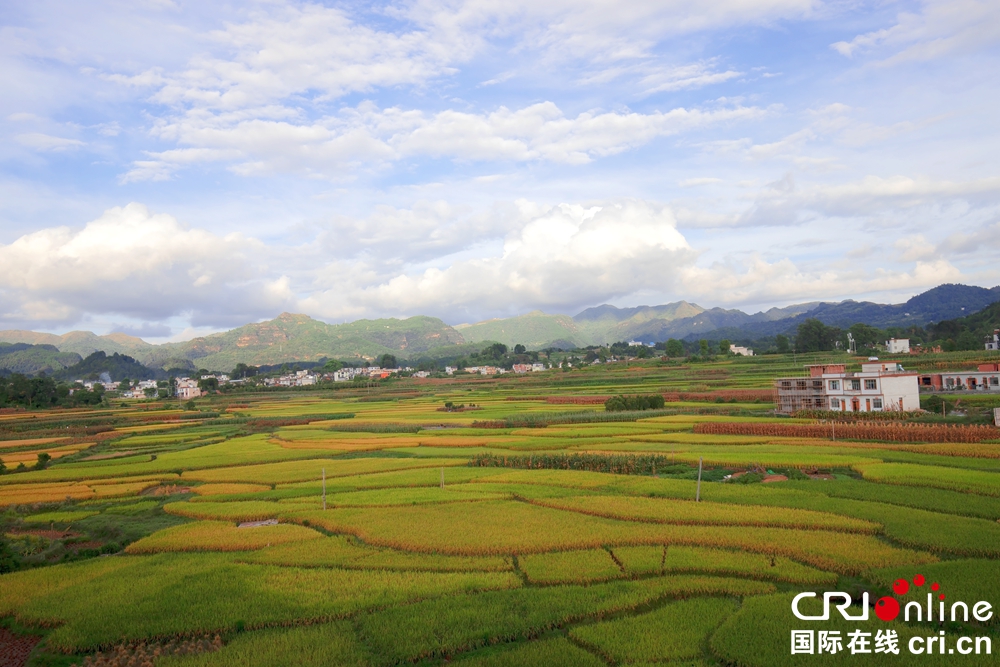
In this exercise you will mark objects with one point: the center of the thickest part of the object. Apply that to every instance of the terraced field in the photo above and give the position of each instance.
(370, 527)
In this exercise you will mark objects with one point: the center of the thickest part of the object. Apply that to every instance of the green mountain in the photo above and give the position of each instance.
(291, 337)
(969, 332)
(29, 359)
(536, 330)
(82, 343)
(117, 366)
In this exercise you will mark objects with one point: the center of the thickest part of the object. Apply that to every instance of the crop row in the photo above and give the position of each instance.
(857, 431)
(445, 626)
(523, 528)
(220, 536)
(722, 395)
(621, 464)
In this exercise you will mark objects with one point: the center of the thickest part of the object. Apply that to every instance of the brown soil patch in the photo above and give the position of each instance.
(774, 478)
(166, 490)
(48, 534)
(15, 649)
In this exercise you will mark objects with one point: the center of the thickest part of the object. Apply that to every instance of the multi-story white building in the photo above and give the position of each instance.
(897, 346)
(879, 386)
(740, 350)
(187, 389)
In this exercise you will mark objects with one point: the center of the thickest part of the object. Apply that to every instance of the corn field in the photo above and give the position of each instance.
(898, 432)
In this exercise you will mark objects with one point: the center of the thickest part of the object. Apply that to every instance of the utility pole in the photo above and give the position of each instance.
(324, 488)
(697, 493)
(442, 478)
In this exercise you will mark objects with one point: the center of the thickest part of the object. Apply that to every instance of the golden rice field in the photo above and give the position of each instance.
(536, 529)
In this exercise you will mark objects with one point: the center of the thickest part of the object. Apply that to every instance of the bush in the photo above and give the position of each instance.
(622, 403)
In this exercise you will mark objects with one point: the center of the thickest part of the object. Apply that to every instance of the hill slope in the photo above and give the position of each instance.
(31, 359)
(291, 337)
(535, 330)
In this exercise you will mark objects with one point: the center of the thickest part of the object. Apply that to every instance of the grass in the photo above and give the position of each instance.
(688, 512)
(758, 635)
(502, 566)
(448, 625)
(674, 631)
(570, 567)
(219, 536)
(65, 517)
(522, 528)
(347, 552)
(315, 645)
(168, 594)
(955, 479)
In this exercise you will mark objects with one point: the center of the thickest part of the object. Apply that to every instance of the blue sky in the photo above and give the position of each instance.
(172, 168)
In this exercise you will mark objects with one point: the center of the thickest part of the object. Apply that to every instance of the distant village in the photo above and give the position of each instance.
(831, 387)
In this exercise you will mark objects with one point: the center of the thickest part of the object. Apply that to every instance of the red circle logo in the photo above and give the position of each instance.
(887, 608)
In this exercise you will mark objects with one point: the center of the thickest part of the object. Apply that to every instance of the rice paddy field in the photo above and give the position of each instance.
(372, 527)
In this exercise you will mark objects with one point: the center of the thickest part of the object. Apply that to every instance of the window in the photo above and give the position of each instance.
(856, 385)
(818, 385)
(994, 381)
(800, 384)
(786, 384)
(835, 404)
(834, 384)
(877, 403)
(871, 384)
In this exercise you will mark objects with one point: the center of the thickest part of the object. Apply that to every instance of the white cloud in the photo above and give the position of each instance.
(557, 256)
(134, 263)
(540, 132)
(940, 28)
(782, 281)
(46, 142)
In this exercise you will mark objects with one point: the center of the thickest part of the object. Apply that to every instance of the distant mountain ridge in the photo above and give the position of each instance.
(290, 337)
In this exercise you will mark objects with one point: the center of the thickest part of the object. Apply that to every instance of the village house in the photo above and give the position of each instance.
(993, 342)
(897, 346)
(741, 351)
(985, 378)
(187, 389)
(879, 386)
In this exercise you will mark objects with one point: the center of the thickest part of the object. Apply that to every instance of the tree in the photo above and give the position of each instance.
(675, 348)
(332, 366)
(388, 361)
(496, 351)
(43, 460)
(125, 384)
(865, 335)
(208, 384)
(150, 392)
(703, 347)
(724, 346)
(814, 336)
(243, 371)
(8, 559)
(781, 341)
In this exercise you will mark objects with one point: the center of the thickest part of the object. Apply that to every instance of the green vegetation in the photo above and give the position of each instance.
(672, 632)
(540, 528)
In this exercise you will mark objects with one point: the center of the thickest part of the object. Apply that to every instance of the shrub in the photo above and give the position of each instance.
(624, 403)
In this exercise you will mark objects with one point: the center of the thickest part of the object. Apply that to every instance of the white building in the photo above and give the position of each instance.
(879, 386)
(897, 346)
(742, 351)
(187, 389)
(993, 343)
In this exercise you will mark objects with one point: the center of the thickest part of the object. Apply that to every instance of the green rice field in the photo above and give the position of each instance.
(370, 527)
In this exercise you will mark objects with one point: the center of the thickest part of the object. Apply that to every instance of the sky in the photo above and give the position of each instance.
(172, 168)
